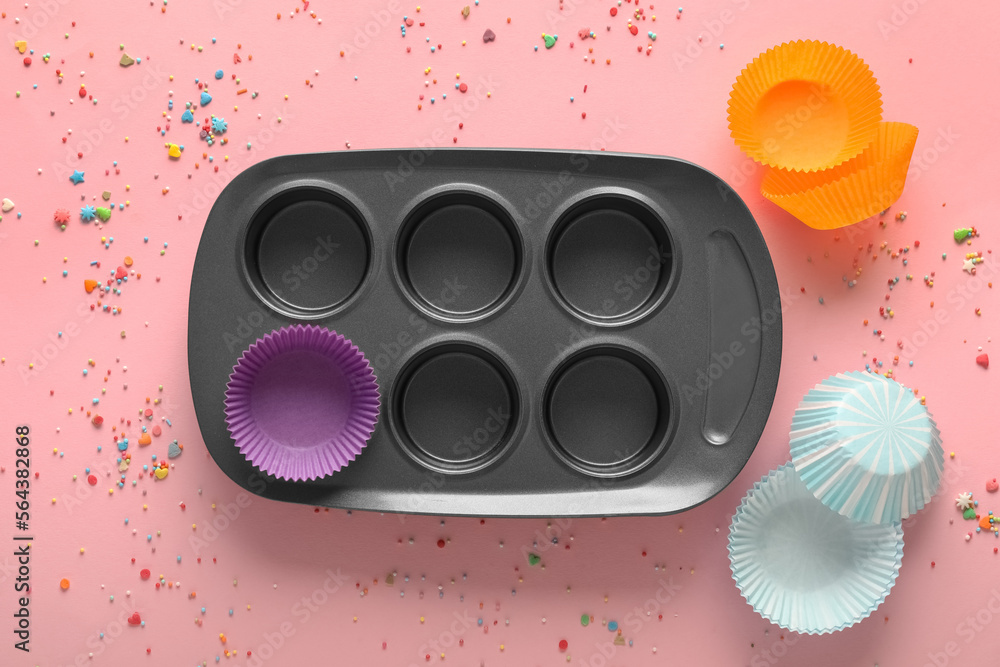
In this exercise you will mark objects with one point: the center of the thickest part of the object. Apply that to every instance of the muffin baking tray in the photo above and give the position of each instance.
(553, 333)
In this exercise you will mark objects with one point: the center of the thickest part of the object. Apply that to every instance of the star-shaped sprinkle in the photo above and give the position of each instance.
(964, 501)
(969, 265)
(77, 177)
(87, 213)
(219, 125)
(61, 216)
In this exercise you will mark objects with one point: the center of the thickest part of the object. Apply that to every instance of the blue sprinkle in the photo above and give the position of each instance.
(612, 625)
(218, 74)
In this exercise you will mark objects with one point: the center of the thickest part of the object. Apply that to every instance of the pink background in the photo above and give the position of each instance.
(270, 556)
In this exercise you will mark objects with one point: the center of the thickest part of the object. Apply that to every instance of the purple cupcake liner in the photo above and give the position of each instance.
(302, 402)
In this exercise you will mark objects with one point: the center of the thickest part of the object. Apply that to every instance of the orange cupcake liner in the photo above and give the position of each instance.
(805, 106)
(851, 192)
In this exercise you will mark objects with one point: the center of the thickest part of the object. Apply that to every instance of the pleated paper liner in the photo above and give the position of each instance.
(807, 568)
(867, 448)
(852, 192)
(804, 106)
(301, 403)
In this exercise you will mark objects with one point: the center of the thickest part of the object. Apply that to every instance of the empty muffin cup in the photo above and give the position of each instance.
(301, 403)
(458, 256)
(455, 407)
(307, 252)
(607, 411)
(609, 259)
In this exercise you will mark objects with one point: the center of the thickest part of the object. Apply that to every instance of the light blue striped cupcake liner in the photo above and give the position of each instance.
(867, 448)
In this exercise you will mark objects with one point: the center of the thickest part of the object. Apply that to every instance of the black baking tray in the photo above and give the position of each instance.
(554, 333)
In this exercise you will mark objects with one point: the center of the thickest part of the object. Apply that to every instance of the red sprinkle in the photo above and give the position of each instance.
(440, 544)
(563, 644)
(144, 574)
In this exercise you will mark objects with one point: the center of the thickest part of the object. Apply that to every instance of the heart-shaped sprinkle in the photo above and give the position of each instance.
(174, 450)
(7, 205)
(489, 35)
(174, 151)
(161, 473)
(21, 46)
(134, 619)
(205, 98)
